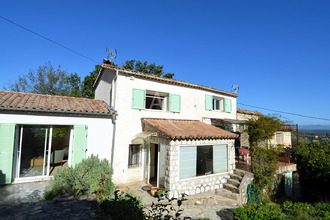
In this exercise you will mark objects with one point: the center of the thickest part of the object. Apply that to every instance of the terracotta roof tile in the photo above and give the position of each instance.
(19, 101)
(186, 129)
(244, 111)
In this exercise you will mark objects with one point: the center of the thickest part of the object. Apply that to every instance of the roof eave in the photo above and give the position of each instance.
(166, 80)
(54, 111)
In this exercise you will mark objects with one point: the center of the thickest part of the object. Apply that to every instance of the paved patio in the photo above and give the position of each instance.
(26, 201)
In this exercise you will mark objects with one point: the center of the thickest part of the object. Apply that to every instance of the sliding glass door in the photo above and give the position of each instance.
(41, 150)
(34, 151)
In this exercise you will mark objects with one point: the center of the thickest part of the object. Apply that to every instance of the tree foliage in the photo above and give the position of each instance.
(144, 67)
(87, 87)
(46, 80)
(264, 156)
(313, 162)
(262, 129)
(50, 81)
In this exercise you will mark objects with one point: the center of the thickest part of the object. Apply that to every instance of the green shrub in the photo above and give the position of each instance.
(313, 162)
(264, 166)
(123, 206)
(287, 210)
(90, 176)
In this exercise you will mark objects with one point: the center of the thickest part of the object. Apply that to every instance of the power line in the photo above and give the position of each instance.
(46, 38)
(283, 112)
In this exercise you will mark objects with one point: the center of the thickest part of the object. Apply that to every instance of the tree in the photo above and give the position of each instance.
(145, 68)
(48, 81)
(87, 88)
(263, 155)
(313, 162)
(262, 129)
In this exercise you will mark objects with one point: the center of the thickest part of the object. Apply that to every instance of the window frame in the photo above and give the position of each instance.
(221, 101)
(182, 175)
(158, 96)
(134, 155)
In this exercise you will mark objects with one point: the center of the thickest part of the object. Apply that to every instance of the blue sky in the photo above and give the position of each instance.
(278, 52)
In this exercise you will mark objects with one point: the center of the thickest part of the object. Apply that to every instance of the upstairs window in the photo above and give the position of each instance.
(145, 99)
(218, 104)
(214, 103)
(154, 101)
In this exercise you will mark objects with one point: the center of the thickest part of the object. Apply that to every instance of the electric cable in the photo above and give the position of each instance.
(46, 38)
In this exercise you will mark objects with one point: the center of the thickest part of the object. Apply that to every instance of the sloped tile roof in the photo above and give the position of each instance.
(186, 129)
(19, 101)
(248, 112)
(108, 65)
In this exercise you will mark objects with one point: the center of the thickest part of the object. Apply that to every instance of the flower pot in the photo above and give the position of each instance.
(153, 191)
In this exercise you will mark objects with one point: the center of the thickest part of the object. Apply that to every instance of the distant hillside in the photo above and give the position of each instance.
(311, 135)
(314, 127)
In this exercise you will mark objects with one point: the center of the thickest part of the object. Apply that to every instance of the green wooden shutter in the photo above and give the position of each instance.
(174, 103)
(220, 158)
(7, 137)
(228, 105)
(188, 157)
(79, 144)
(208, 102)
(138, 98)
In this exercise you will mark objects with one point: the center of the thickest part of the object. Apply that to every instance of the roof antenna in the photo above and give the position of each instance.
(235, 89)
(112, 53)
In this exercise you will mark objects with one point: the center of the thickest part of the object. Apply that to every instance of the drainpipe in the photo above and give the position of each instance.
(114, 115)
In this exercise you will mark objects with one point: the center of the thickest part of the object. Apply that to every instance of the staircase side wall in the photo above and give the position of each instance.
(243, 196)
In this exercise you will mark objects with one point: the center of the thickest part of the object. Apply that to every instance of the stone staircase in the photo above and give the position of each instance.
(234, 188)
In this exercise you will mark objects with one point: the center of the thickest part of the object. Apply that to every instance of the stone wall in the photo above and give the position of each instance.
(243, 195)
(195, 185)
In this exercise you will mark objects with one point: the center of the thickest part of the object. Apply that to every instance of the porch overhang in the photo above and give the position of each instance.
(176, 129)
(146, 134)
(140, 137)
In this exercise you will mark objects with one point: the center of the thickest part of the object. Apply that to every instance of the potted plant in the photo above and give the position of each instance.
(153, 191)
(161, 193)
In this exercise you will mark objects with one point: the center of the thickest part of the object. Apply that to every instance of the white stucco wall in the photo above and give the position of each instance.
(104, 87)
(99, 137)
(285, 138)
(129, 120)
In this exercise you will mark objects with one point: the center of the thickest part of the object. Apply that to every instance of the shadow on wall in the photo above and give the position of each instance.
(2, 178)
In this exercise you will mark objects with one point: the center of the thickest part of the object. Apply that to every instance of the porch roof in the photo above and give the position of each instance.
(186, 129)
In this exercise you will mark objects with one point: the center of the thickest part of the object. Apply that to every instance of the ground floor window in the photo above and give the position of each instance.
(134, 155)
(203, 160)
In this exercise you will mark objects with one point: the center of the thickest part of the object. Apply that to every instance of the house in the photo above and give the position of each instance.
(163, 133)
(283, 136)
(37, 131)
(150, 128)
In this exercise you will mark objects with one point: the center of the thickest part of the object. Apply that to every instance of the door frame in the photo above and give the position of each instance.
(17, 156)
(156, 162)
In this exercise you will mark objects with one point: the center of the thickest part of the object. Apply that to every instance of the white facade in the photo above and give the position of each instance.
(99, 132)
(116, 90)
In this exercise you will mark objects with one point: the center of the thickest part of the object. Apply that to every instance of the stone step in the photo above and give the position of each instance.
(215, 200)
(230, 187)
(239, 172)
(236, 177)
(226, 193)
(234, 182)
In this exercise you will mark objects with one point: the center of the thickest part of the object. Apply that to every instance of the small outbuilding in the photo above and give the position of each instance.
(39, 133)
